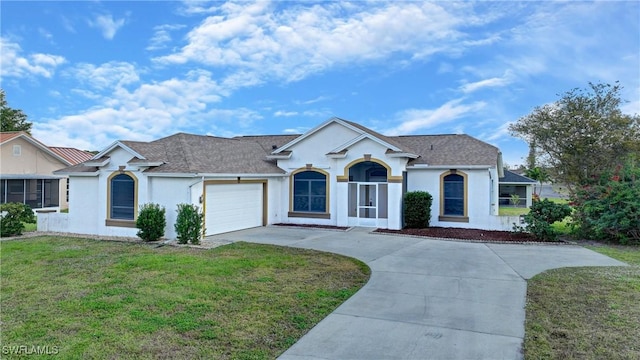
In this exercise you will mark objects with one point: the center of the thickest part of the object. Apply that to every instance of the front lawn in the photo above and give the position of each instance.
(586, 313)
(98, 299)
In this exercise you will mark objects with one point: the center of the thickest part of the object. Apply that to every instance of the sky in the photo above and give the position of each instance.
(88, 73)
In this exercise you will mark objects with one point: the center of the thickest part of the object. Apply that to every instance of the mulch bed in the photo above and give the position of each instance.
(442, 233)
(464, 234)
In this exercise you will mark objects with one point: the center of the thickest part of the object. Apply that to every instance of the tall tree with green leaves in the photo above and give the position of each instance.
(581, 135)
(12, 119)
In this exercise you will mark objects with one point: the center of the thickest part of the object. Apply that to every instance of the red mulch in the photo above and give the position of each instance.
(442, 232)
(468, 234)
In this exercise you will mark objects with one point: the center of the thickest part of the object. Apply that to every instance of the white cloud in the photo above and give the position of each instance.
(107, 25)
(313, 101)
(105, 76)
(412, 120)
(162, 36)
(301, 40)
(491, 82)
(145, 113)
(14, 64)
(281, 113)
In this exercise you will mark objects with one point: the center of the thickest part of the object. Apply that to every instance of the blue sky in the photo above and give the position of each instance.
(89, 73)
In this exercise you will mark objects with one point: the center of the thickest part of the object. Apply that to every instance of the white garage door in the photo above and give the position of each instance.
(231, 207)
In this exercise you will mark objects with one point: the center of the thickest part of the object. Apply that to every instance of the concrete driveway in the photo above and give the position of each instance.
(426, 299)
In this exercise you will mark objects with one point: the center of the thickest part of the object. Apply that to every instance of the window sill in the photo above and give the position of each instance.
(297, 214)
(120, 223)
(452, 218)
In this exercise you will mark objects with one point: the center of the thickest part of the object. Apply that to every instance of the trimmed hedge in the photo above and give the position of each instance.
(151, 222)
(189, 224)
(417, 209)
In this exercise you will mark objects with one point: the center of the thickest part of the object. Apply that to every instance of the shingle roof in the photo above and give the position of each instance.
(449, 150)
(187, 153)
(269, 141)
(72, 155)
(511, 177)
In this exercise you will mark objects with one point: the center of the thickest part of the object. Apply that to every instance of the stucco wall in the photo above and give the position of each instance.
(482, 188)
(313, 151)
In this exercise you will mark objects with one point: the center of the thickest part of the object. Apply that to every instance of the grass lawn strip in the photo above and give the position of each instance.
(586, 313)
(94, 299)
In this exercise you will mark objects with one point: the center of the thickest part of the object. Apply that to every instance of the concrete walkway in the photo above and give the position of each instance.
(426, 299)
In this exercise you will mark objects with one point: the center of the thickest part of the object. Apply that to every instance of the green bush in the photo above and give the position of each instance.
(417, 209)
(609, 209)
(189, 224)
(540, 217)
(151, 222)
(11, 220)
(27, 215)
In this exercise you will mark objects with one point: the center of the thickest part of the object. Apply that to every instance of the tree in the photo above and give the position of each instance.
(538, 174)
(581, 135)
(12, 119)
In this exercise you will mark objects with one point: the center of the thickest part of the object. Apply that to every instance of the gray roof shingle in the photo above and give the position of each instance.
(187, 153)
(449, 150)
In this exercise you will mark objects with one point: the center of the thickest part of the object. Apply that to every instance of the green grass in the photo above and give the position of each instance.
(99, 299)
(512, 211)
(29, 227)
(586, 313)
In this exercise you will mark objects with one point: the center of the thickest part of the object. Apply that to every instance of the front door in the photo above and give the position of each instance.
(367, 204)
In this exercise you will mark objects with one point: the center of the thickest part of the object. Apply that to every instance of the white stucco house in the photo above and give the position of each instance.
(339, 173)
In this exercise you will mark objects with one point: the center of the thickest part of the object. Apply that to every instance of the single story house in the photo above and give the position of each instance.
(339, 173)
(516, 184)
(26, 171)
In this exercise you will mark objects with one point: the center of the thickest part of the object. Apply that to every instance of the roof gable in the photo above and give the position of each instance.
(6, 137)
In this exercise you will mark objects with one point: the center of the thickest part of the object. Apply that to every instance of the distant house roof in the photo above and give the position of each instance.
(512, 178)
(66, 155)
(72, 155)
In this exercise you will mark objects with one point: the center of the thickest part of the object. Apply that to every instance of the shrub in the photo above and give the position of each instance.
(540, 217)
(27, 215)
(11, 221)
(417, 209)
(151, 222)
(515, 199)
(189, 224)
(609, 209)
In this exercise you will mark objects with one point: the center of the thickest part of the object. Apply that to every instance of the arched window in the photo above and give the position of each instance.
(453, 202)
(310, 192)
(122, 199)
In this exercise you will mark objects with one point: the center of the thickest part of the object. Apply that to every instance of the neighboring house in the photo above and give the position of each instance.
(26, 171)
(515, 184)
(338, 173)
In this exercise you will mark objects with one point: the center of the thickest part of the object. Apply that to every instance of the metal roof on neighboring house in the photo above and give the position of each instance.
(73, 155)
